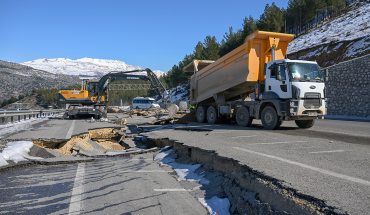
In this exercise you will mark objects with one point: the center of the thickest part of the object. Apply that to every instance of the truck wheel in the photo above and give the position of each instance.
(201, 114)
(212, 116)
(305, 123)
(269, 118)
(137, 107)
(242, 117)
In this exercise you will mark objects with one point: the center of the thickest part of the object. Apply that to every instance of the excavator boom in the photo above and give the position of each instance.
(96, 93)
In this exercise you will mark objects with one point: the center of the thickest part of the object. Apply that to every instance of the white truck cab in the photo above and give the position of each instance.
(300, 83)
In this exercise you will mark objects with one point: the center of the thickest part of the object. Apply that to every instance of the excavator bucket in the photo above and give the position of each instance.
(172, 109)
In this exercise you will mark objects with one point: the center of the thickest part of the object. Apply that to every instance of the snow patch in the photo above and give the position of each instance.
(16, 152)
(19, 126)
(185, 172)
(217, 205)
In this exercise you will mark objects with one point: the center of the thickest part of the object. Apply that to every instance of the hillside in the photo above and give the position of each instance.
(344, 38)
(83, 66)
(18, 79)
(32, 102)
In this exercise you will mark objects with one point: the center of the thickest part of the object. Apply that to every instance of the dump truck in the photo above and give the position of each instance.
(93, 96)
(255, 81)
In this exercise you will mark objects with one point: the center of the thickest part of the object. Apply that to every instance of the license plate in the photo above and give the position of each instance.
(312, 113)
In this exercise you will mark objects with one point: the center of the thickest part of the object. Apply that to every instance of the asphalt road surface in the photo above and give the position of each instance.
(134, 185)
(330, 161)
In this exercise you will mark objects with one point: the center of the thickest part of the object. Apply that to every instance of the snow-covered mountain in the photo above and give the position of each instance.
(83, 66)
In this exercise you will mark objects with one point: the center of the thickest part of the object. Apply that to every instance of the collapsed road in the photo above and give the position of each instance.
(322, 170)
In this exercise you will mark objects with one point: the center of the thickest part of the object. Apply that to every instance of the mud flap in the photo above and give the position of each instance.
(172, 110)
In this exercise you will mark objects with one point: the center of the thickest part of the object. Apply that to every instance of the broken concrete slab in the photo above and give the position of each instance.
(116, 153)
(130, 143)
(89, 148)
(62, 160)
(37, 151)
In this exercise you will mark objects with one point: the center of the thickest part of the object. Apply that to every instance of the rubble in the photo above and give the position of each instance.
(95, 142)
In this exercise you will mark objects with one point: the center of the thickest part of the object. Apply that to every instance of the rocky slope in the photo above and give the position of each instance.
(343, 38)
(18, 79)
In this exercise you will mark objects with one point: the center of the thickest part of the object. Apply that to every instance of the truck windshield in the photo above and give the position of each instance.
(304, 72)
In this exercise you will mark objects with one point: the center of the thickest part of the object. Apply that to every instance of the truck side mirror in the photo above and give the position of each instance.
(278, 76)
(326, 75)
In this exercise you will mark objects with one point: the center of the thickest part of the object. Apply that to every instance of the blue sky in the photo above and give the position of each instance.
(150, 34)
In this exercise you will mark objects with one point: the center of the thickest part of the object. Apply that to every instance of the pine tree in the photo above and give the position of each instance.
(211, 48)
(249, 26)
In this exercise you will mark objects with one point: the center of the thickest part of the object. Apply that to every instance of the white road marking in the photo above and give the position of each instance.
(69, 133)
(276, 143)
(243, 136)
(75, 207)
(327, 172)
(170, 190)
(327, 151)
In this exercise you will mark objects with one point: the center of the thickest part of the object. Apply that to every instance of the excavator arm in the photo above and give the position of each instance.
(157, 86)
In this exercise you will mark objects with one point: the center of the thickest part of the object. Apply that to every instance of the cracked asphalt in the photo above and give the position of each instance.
(330, 161)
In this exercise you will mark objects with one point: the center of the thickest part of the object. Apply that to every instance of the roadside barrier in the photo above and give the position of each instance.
(9, 116)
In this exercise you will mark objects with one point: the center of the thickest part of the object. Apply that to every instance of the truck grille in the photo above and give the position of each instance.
(312, 100)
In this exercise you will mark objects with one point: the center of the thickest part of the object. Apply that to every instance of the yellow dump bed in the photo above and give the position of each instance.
(236, 73)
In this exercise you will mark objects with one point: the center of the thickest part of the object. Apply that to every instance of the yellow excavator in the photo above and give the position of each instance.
(92, 98)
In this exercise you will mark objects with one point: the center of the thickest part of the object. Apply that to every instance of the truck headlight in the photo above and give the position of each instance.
(291, 110)
(291, 104)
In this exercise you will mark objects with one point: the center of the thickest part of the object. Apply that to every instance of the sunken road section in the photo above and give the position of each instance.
(249, 191)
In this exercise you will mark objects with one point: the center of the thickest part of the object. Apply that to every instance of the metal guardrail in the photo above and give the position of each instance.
(17, 115)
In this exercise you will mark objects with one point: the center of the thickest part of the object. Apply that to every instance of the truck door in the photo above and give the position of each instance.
(280, 87)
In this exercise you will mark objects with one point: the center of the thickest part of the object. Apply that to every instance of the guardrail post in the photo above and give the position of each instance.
(2, 120)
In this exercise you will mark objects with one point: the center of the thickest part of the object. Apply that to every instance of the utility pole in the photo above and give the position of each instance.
(285, 25)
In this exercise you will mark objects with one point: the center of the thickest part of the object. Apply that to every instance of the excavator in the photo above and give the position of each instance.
(92, 98)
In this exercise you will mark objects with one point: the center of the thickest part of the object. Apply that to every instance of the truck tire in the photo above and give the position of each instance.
(305, 123)
(201, 114)
(212, 115)
(269, 118)
(137, 107)
(242, 117)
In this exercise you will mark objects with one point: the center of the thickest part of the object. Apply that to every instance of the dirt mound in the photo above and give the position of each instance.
(108, 138)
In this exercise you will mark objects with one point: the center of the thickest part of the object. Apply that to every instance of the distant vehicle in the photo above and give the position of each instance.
(144, 103)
